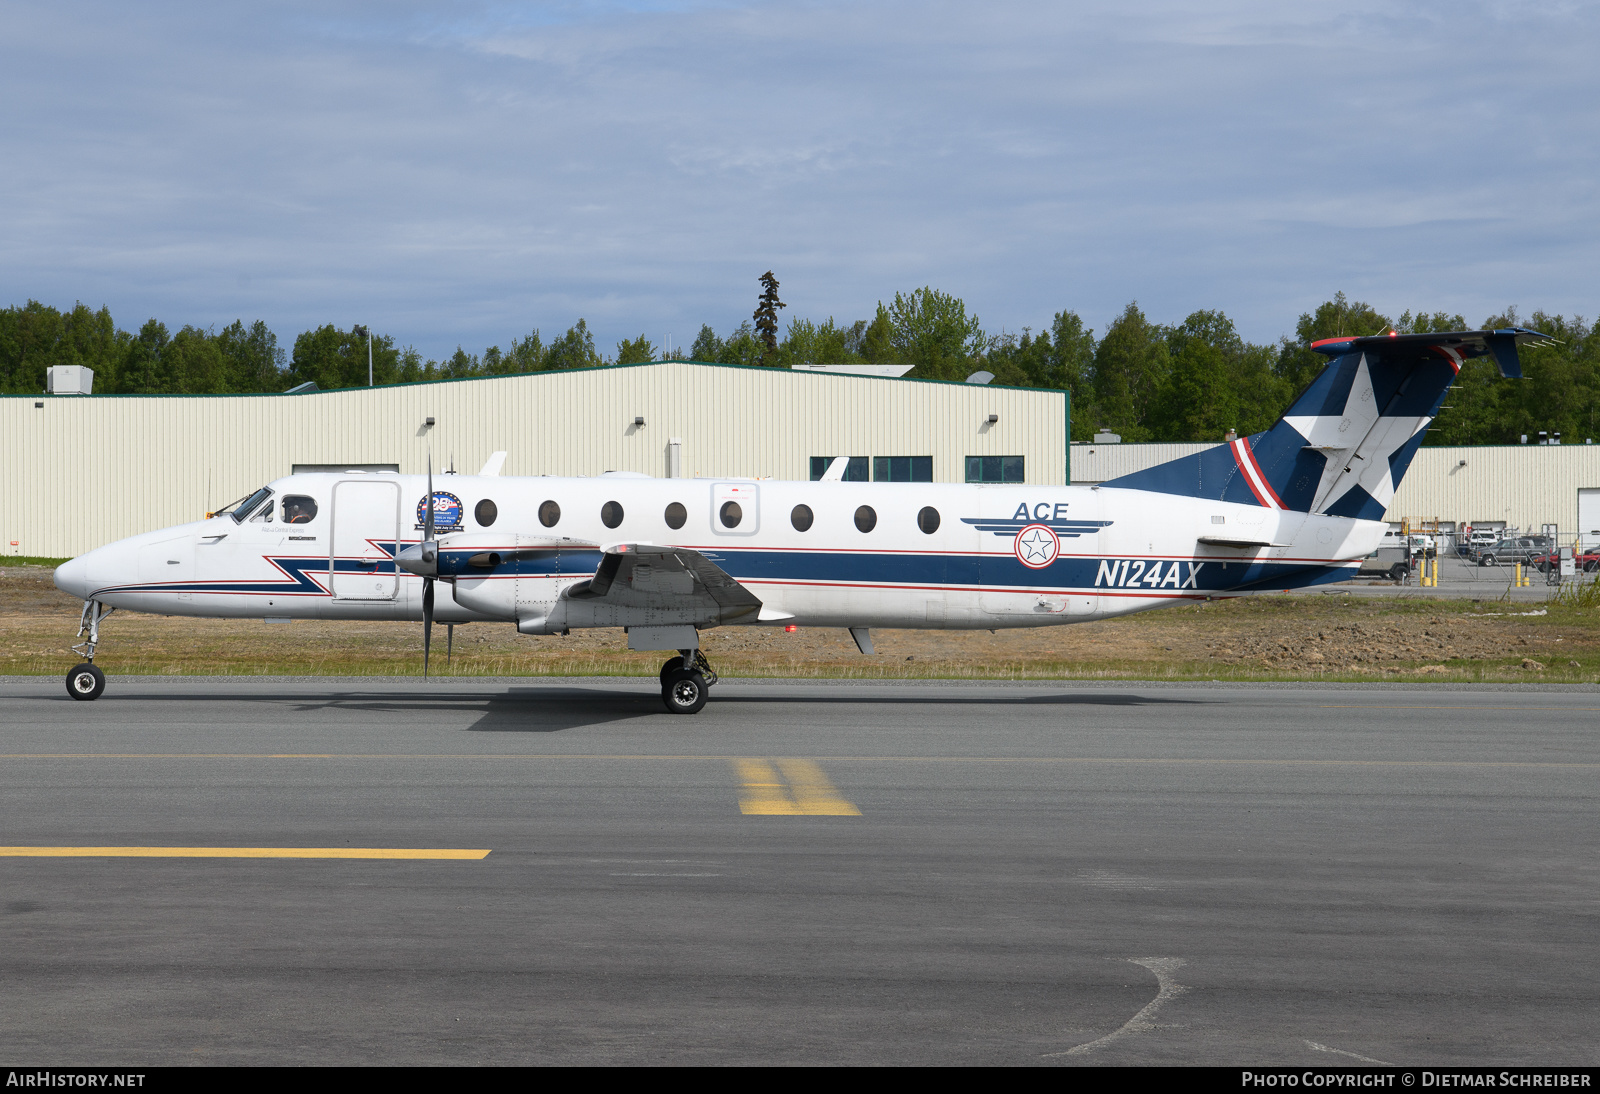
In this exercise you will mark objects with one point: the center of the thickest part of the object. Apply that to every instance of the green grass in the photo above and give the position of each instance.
(30, 560)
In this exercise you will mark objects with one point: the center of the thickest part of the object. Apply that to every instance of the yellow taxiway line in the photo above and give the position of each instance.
(806, 793)
(244, 852)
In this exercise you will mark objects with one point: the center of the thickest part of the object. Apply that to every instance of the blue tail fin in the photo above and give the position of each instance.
(1346, 442)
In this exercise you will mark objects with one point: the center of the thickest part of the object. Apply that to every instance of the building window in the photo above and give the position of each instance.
(855, 472)
(902, 469)
(994, 468)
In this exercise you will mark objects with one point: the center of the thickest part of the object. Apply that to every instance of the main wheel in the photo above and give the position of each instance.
(672, 666)
(85, 682)
(685, 692)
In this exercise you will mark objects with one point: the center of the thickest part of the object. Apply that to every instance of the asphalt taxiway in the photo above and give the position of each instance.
(1045, 873)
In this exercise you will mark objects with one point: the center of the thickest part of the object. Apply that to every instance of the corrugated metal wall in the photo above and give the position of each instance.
(84, 470)
(1523, 485)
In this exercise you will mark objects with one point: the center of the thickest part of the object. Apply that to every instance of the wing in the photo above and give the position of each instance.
(666, 583)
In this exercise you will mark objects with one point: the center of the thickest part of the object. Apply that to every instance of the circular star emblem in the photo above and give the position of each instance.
(1037, 546)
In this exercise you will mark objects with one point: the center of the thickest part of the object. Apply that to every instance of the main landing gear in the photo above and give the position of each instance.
(86, 682)
(686, 682)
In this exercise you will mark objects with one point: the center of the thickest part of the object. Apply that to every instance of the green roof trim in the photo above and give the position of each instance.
(543, 372)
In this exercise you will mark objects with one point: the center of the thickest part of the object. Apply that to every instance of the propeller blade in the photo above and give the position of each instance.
(427, 510)
(427, 623)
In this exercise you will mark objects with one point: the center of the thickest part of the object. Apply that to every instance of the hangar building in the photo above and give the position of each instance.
(84, 470)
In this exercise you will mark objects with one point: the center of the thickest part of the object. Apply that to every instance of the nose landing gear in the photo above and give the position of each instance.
(85, 681)
(686, 682)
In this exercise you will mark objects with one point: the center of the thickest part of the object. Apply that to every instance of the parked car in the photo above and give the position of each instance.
(1585, 563)
(1477, 541)
(1522, 549)
(1389, 562)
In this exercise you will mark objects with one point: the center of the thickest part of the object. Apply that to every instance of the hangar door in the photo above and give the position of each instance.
(1589, 518)
(366, 526)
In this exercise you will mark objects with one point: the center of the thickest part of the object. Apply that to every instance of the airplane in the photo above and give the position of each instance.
(1294, 506)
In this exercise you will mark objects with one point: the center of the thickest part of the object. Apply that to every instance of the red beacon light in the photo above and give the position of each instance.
(790, 629)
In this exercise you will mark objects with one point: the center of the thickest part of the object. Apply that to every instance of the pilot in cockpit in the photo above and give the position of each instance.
(298, 510)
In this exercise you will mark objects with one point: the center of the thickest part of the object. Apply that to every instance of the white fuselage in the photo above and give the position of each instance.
(999, 556)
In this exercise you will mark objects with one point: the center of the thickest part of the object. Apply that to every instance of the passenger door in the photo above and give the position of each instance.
(365, 515)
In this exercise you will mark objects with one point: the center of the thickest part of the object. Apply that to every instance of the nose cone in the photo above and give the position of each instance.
(72, 577)
(421, 559)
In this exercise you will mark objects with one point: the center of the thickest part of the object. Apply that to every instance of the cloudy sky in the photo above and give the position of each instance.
(462, 173)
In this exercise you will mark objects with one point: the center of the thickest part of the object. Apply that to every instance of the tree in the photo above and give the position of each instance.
(636, 351)
(876, 344)
(811, 343)
(143, 371)
(36, 336)
(933, 331)
(333, 358)
(766, 316)
(1131, 365)
(707, 346)
(1336, 318)
(1199, 400)
(742, 347)
(527, 354)
(574, 349)
(253, 360)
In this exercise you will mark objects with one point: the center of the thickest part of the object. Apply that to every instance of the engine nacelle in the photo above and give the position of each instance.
(515, 577)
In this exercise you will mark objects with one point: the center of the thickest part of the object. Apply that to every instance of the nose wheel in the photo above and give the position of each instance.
(85, 681)
(686, 682)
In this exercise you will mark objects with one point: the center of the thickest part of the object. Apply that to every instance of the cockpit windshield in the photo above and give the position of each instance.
(240, 511)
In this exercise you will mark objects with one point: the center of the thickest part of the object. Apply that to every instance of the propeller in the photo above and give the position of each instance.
(430, 561)
(422, 559)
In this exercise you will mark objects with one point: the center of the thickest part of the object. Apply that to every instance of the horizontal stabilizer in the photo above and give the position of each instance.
(1218, 541)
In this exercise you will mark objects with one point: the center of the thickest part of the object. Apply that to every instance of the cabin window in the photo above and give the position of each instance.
(902, 469)
(675, 515)
(801, 517)
(866, 518)
(549, 514)
(855, 472)
(299, 509)
(731, 514)
(994, 469)
(486, 513)
(928, 520)
(611, 514)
